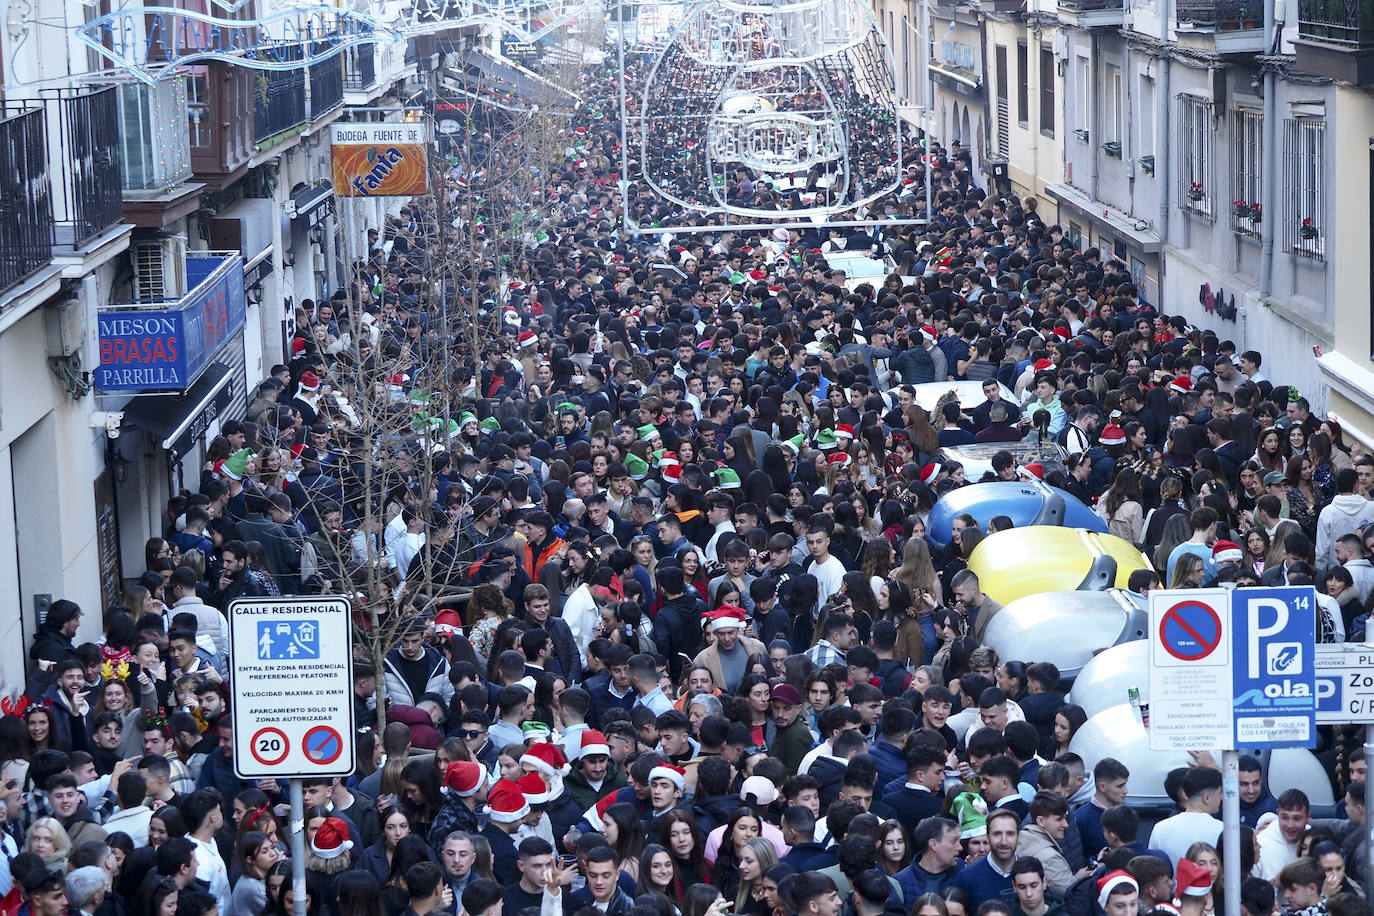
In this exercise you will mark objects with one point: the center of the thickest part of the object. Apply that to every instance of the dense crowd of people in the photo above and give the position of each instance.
(669, 636)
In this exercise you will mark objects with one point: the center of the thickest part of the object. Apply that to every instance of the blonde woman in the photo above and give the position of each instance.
(917, 573)
(50, 842)
(755, 857)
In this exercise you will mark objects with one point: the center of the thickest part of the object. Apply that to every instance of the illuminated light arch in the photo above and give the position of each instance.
(801, 92)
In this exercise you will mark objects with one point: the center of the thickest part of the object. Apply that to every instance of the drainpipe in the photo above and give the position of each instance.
(1094, 129)
(1164, 155)
(1034, 42)
(1273, 30)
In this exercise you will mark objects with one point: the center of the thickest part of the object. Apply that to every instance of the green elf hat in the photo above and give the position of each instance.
(537, 730)
(636, 466)
(566, 405)
(235, 467)
(737, 277)
(727, 478)
(420, 398)
(420, 421)
(467, 417)
(647, 432)
(491, 424)
(825, 440)
(972, 813)
(796, 443)
(453, 428)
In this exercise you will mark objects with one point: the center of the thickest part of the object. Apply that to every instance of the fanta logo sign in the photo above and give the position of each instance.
(381, 170)
(386, 163)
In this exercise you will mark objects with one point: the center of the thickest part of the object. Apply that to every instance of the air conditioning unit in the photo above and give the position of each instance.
(159, 267)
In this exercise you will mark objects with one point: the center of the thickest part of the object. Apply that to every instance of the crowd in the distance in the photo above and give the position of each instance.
(670, 638)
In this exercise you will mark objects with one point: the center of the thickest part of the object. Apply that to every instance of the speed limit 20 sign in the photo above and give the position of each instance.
(292, 678)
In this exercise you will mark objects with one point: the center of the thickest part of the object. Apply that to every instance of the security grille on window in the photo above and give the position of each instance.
(1247, 209)
(1196, 194)
(1304, 181)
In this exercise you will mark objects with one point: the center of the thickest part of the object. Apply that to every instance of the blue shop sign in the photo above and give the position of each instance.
(165, 346)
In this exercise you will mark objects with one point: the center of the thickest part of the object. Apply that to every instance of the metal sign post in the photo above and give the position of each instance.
(1230, 828)
(298, 891)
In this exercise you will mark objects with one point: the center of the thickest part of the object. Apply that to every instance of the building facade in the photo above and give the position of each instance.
(199, 207)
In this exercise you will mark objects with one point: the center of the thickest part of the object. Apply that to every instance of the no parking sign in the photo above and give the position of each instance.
(1232, 669)
(1190, 669)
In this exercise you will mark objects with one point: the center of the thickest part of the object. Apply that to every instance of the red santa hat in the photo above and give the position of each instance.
(1043, 364)
(593, 743)
(929, 333)
(726, 617)
(1110, 882)
(676, 775)
(465, 778)
(507, 803)
(1182, 384)
(840, 457)
(844, 431)
(930, 472)
(331, 840)
(1112, 435)
(527, 339)
(1193, 880)
(546, 758)
(535, 788)
(1227, 552)
(309, 381)
(1035, 470)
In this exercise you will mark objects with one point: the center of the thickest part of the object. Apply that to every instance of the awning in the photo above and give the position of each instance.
(511, 78)
(1134, 228)
(305, 203)
(177, 422)
(961, 78)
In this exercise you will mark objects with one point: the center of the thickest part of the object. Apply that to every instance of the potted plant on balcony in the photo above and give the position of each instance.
(1308, 229)
(1195, 191)
(1243, 210)
(1251, 14)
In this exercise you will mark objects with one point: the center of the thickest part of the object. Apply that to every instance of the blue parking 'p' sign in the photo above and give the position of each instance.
(288, 640)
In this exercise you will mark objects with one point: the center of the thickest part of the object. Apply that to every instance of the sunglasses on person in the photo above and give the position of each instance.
(470, 733)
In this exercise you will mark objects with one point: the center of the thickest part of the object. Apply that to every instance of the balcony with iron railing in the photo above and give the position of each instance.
(1236, 26)
(1336, 39)
(326, 86)
(359, 67)
(278, 101)
(83, 126)
(26, 217)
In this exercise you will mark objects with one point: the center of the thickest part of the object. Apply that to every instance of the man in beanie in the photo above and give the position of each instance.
(85, 890)
(786, 734)
(53, 641)
(46, 893)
